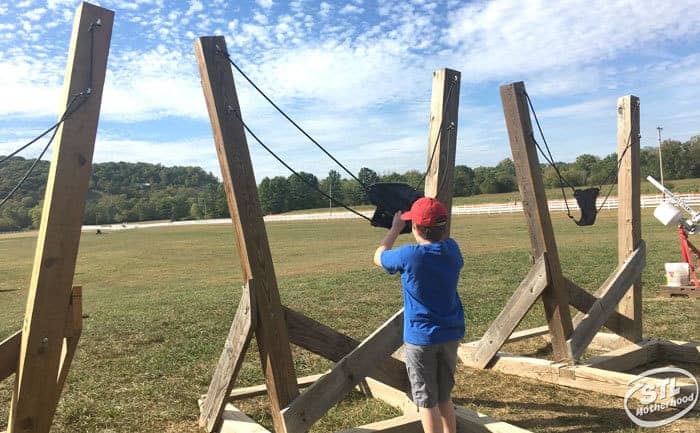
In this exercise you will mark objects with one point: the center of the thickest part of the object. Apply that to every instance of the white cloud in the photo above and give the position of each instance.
(195, 6)
(35, 14)
(351, 9)
(267, 4)
(324, 9)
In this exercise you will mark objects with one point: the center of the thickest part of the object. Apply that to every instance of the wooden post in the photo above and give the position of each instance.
(253, 247)
(629, 214)
(230, 361)
(441, 150)
(59, 232)
(528, 171)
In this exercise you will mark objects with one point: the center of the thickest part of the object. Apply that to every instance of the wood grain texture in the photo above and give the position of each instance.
(9, 355)
(333, 345)
(512, 314)
(230, 361)
(442, 145)
(679, 351)
(235, 421)
(310, 406)
(59, 231)
(628, 272)
(400, 424)
(72, 333)
(258, 390)
(626, 358)
(583, 301)
(629, 211)
(529, 177)
(251, 237)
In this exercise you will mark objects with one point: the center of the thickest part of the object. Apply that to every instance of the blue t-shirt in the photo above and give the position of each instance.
(433, 312)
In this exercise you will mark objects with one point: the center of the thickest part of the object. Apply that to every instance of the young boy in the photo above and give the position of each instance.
(433, 314)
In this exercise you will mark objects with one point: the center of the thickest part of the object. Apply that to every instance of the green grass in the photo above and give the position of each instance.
(159, 303)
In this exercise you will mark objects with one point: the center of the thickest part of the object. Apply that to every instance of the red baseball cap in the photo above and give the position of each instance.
(426, 212)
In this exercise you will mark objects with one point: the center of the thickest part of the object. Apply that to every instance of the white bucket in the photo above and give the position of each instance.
(677, 274)
(667, 214)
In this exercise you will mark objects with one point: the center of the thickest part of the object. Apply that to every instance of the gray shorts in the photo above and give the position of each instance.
(431, 371)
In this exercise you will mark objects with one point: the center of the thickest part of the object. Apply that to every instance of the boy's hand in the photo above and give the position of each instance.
(397, 224)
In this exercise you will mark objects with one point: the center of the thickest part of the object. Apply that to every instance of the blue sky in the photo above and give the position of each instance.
(357, 75)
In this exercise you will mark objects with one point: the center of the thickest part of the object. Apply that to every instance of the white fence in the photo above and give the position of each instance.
(560, 206)
(488, 209)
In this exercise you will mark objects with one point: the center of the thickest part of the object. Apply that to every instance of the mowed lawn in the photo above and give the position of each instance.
(159, 302)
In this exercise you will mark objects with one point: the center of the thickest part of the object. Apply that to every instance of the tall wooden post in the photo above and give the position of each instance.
(251, 238)
(36, 391)
(629, 219)
(529, 176)
(442, 136)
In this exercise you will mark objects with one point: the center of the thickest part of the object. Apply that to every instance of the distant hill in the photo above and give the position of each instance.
(118, 192)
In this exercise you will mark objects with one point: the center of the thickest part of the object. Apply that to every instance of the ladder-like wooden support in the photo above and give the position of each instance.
(41, 354)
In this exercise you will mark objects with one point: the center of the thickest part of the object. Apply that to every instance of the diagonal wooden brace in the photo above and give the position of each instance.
(230, 361)
(310, 406)
(583, 301)
(9, 355)
(331, 344)
(512, 314)
(625, 275)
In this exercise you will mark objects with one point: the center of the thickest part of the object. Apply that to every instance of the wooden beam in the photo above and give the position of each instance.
(583, 301)
(230, 361)
(258, 390)
(235, 421)
(624, 276)
(401, 424)
(9, 355)
(442, 137)
(629, 212)
(72, 333)
(679, 351)
(333, 345)
(627, 357)
(578, 377)
(244, 206)
(528, 333)
(310, 406)
(529, 176)
(61, 221)
(391, 396)
(512, 314)
(470, 421)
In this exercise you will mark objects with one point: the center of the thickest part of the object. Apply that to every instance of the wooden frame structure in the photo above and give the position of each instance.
(570, 338)
(275, 326)
(41, 353)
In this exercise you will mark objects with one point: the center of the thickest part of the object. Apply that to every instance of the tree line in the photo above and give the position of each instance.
(125, 192)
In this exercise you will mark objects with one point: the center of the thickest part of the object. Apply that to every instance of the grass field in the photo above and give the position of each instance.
(159, 303)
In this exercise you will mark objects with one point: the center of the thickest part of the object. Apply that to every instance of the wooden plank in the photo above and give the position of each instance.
(470, 421)
(681, 292)
(409, 423)
(681, 351)
(578, 377)
(512, 314)
(72, 333)
(258, 390)
(391, 396)
(310, 406)
(59, 230)
(9, 355)
(624, 276)
(583, 301)
(230, 361)
(627, 357)
(442, 145)
(331, 344)
(607, 341)
(235, 421)
(528, 333)
(251, 238)
(629, 211)
(529, 176)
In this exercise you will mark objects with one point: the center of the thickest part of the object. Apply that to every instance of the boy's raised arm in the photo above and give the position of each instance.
(387, 243)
